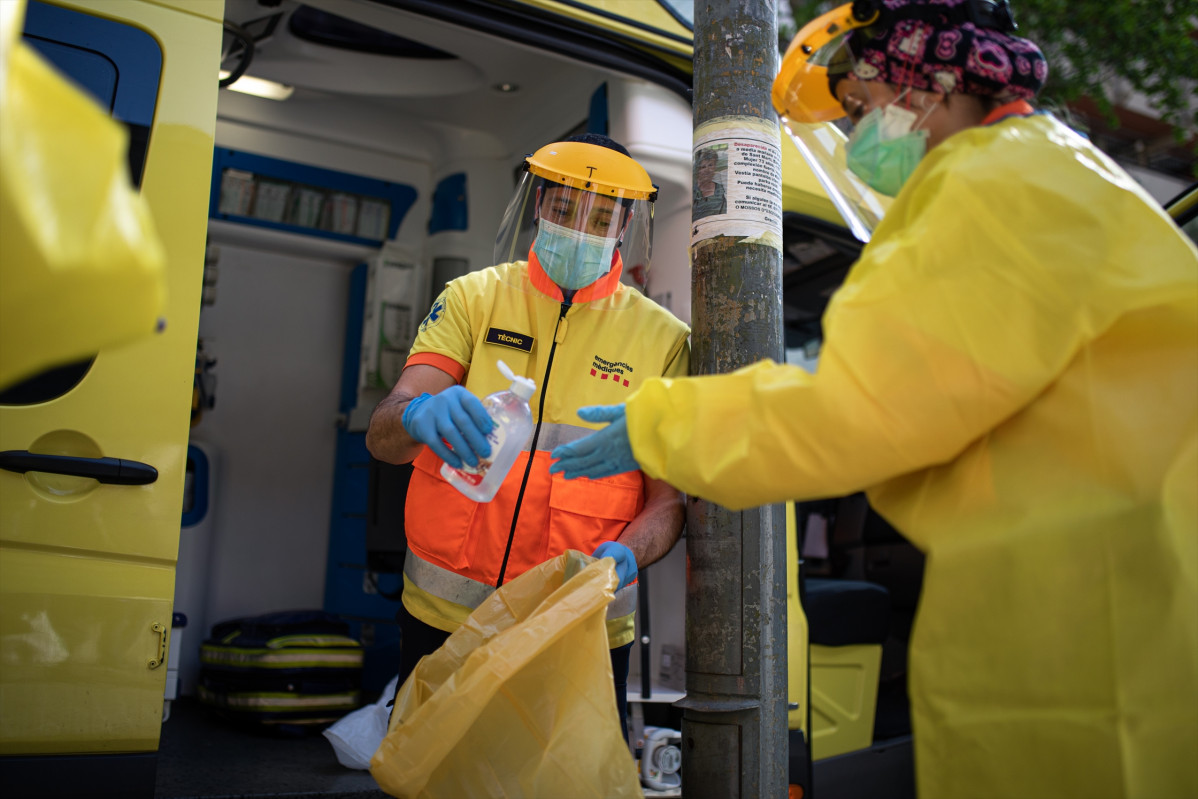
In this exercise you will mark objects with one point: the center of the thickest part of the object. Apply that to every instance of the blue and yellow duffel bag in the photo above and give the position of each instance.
(291, 671)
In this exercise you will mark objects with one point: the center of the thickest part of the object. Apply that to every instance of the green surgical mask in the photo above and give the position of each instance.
(572, 259)
(884, 150)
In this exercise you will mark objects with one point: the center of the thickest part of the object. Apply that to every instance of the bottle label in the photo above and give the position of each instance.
(473, 475)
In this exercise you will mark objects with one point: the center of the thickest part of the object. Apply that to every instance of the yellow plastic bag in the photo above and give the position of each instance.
(519, 701)
(81, 266)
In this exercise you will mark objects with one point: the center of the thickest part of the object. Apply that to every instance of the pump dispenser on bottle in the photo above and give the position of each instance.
(513, 424)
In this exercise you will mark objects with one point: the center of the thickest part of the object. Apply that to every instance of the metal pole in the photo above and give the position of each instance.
(734, 714)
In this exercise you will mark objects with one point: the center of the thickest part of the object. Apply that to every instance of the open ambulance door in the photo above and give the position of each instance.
(93, 452)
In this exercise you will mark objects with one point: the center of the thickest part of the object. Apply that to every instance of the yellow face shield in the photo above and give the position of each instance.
(802, 91)
(803, 98)
(582, 209)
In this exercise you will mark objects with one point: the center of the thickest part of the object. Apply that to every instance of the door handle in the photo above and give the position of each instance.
(114, 471)
(160, 629)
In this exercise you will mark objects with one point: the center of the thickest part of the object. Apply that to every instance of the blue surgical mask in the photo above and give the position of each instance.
(884, 150)
(571, 258)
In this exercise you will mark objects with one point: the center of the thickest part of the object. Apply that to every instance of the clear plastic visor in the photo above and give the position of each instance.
(576, 233)
(822, 145)
(804, 88)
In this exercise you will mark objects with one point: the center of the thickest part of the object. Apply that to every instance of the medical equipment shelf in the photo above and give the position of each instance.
(267, 192)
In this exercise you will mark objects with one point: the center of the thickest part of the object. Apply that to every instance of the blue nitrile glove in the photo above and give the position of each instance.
(601, 454)
(451, 423)
(622, 555)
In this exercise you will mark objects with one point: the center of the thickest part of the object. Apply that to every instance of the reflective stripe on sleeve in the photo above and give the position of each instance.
(624, 603)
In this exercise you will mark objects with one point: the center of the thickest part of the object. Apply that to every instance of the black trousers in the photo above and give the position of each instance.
(418, 639)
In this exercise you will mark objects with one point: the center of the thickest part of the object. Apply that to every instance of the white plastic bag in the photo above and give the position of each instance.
(356, 736)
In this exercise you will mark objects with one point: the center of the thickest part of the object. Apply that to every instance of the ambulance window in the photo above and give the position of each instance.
(119, 66)
(47, 385)
(115, 63)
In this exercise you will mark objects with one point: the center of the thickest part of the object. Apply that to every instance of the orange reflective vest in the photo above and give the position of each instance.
(596, 350)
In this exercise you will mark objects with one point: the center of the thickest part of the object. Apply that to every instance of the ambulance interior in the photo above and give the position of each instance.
(337, 213)
(305, 333)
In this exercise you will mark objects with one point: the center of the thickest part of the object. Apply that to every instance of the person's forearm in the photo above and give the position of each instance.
(654, 532)
(386, 437)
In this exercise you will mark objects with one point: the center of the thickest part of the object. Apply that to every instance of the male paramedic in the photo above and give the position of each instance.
(554, 311)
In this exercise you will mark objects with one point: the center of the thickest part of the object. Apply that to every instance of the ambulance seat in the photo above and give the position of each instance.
(848, 622)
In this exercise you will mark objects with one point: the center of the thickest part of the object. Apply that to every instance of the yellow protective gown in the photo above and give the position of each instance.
(1011, 372)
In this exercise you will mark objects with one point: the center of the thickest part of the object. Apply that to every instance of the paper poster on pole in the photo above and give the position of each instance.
(737, 186)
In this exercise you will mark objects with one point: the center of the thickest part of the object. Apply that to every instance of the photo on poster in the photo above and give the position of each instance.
(710, 181)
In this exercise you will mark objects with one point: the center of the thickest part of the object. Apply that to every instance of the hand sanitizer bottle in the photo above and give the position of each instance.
(513, 424)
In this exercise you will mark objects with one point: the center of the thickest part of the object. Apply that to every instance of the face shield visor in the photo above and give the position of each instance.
(802, 95)
(580, 210)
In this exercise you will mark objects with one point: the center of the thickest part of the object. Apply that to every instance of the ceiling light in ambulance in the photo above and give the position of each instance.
(258, 87)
